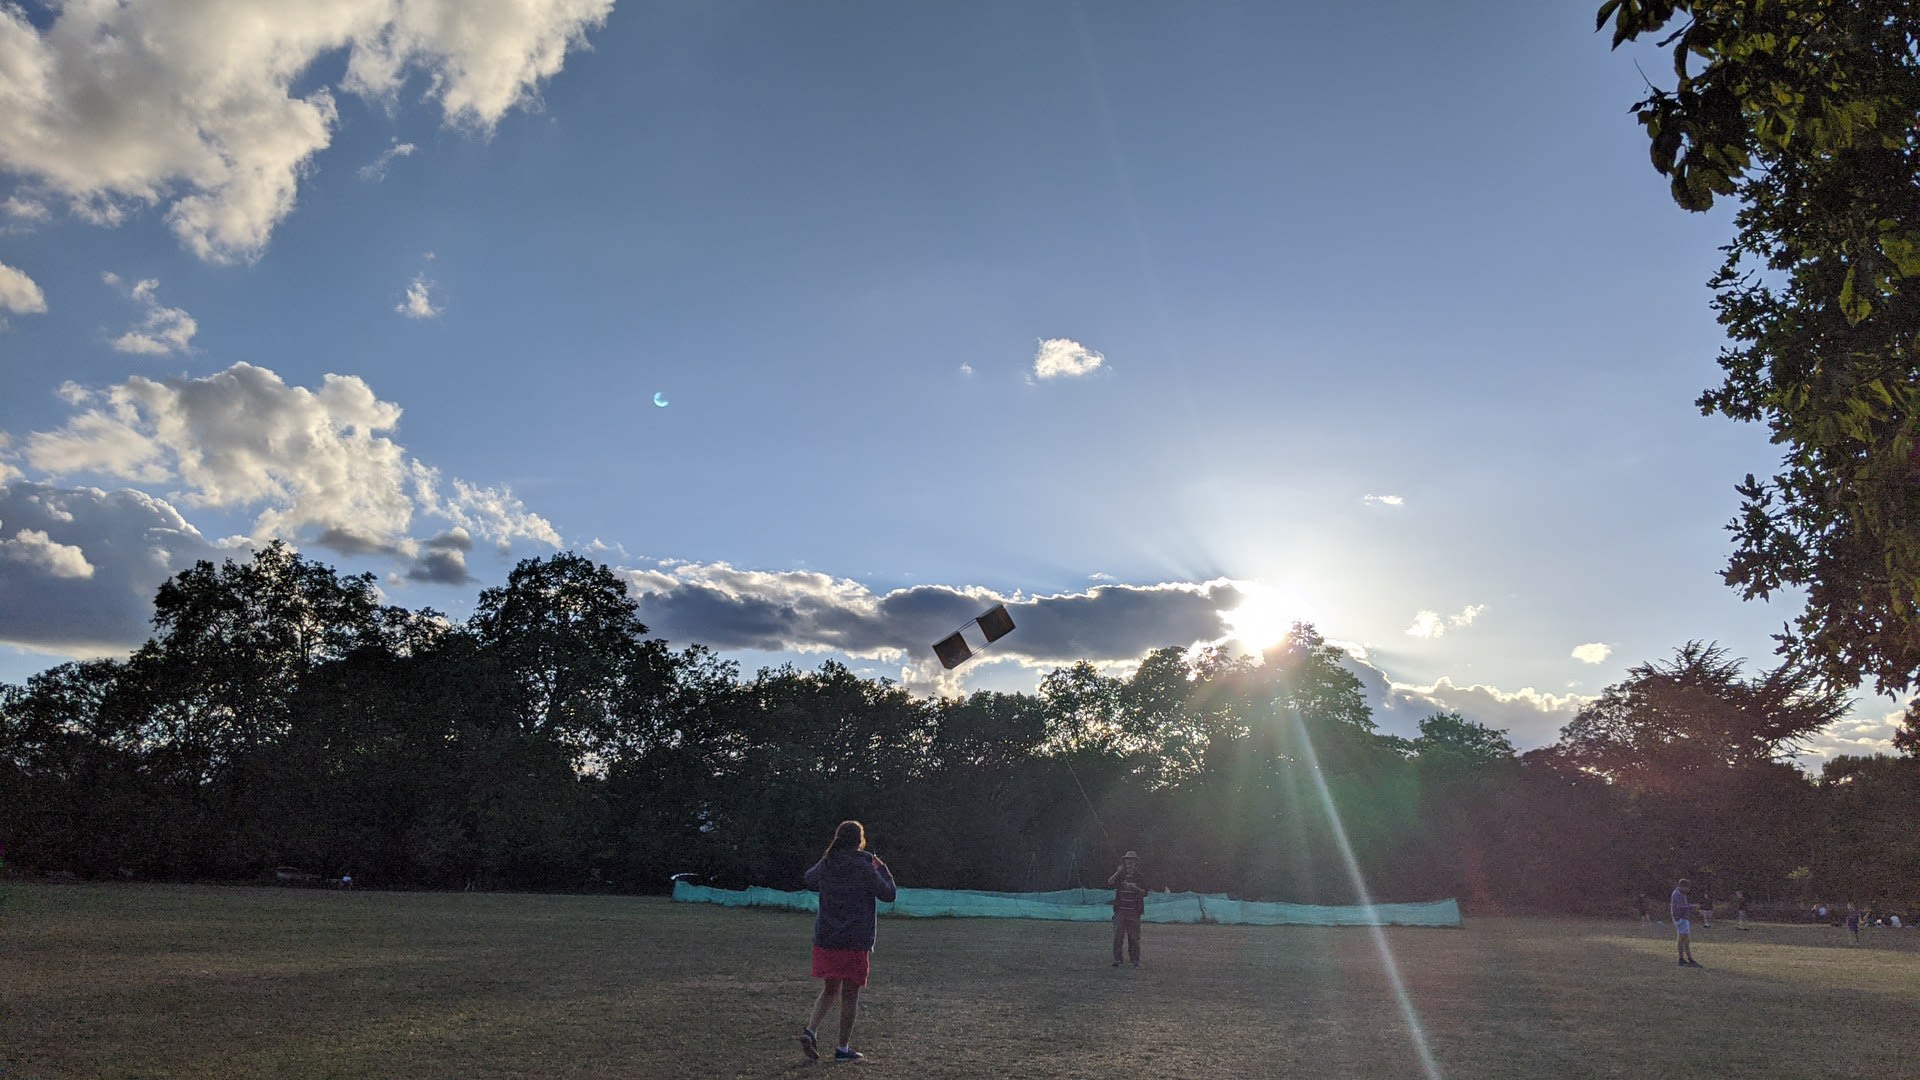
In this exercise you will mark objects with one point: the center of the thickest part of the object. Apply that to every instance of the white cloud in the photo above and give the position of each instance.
(1427, 624)
(35, 548)
(418, 303)
(376, 170)
(83, 565)
(1058, 357)
(1384, 500)
(966, 369)
(1593, 652)
(492, 512)
(315, 464)
(192, 105)
(24, 209)
(1431, 624)
(19, 293)
(1532, 718)
(1861, 732)
(162, 330)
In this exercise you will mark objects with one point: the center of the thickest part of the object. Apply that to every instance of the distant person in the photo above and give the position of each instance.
(1853, 923)
(1740, 908)
(1646, 907)
(1705, 907)
(1129, 904)
(851, 880)
(1682, 909)
(1822, 913)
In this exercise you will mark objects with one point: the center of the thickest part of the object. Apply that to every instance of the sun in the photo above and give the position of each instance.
(1266, 614)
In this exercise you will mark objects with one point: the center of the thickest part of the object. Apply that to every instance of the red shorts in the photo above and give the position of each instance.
(847, 965)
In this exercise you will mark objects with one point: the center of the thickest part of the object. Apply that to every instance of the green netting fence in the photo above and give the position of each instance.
(1094, 905)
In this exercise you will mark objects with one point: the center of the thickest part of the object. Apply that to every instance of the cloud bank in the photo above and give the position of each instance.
(79, 566)
(802, 611)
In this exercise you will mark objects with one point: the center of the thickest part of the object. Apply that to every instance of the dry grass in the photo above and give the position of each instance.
(146, 981)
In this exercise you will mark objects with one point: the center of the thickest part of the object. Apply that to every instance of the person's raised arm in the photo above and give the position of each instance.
(1114, 878)
(883, 887)
(814, 872)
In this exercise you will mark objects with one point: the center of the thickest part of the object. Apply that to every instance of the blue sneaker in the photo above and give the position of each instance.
(847, 1053)
(809, 1045)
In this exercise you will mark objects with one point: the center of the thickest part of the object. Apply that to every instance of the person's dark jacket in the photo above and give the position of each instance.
(1129, 894)
(849, 882)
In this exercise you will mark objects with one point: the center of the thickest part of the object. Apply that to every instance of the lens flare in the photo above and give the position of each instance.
(1387, 963)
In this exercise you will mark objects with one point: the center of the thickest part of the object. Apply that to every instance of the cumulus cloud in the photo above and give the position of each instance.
(161, 330)
(376, 170)
(1431, 624)
(118, 107)
(1593, 652)
(495, 513)
(19, 293)
(418, 304)
(81, 565)
(1427, 624)
(314, 464)
(24, 209)
(36, 548)
(1064, 357)
(1384, 500)
(966, 369)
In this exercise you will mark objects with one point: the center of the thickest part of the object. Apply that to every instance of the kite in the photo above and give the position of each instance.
(953, 650)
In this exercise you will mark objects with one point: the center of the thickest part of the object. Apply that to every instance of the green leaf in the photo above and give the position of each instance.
(1854, 306)
(1606, 10)
(1903, 251)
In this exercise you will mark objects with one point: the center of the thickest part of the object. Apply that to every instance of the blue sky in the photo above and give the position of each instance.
(1391, 318)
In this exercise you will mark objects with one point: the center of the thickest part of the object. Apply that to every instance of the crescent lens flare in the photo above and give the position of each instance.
(660, 399)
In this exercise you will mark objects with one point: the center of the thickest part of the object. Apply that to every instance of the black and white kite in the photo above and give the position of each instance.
(954, 649)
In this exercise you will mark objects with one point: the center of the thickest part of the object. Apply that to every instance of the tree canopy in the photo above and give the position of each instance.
(1807, 114)
(280, 716)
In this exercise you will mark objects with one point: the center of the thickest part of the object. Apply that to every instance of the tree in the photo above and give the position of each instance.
(1450, 737)
(234, 642)
(1805, 112)
(1671, 727)
(1868, 848)
(568, 636)
(1906, 737)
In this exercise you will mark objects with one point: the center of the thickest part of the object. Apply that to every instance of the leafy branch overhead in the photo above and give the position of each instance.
(1805, 114)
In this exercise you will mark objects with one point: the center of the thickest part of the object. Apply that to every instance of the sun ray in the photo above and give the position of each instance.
(1388, 964)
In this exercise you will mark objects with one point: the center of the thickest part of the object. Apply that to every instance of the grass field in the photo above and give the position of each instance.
(145, 981)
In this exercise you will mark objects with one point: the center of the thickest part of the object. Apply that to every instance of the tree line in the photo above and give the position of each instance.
(281, 715)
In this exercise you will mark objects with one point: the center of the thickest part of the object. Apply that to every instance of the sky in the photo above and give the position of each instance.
(829, 324)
